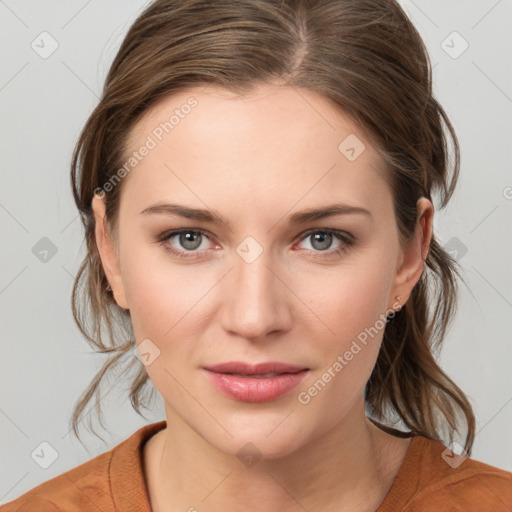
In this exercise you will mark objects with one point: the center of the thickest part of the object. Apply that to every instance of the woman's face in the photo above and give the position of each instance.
(267, 283)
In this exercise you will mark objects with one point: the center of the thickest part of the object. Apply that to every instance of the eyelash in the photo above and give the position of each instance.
(347, 241)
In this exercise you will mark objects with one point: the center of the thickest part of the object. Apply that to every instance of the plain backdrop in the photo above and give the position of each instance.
(45, 362)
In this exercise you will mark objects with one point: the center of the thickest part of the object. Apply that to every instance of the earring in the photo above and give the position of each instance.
(392, 314)
(108, 288)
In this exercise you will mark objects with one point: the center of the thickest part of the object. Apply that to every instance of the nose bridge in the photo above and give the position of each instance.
(255, 305)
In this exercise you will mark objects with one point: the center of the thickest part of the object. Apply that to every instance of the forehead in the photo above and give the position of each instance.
(224, 146)
(211, 110)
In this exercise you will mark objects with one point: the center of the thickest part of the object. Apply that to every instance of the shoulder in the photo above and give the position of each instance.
(70, 490)
(477, 487)
(103, 483)
(434, 478)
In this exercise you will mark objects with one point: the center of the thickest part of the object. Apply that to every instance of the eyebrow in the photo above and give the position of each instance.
(210, 216)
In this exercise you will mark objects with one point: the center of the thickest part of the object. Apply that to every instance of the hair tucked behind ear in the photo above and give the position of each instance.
(366, 57)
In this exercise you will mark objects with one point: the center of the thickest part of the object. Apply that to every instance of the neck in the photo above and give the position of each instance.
(353, 464)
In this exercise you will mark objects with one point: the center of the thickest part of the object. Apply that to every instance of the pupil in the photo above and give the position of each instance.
(185, 240)
(322, 237)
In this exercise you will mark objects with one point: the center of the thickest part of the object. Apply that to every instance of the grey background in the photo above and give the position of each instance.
(46, 364)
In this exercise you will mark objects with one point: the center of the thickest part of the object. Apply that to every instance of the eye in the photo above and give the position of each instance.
(189, 239)
(323, 239)
(186, 243)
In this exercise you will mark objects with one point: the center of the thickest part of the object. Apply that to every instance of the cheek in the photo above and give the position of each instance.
(162, 296)
(352, 308)
(347, 299)
(165, 307)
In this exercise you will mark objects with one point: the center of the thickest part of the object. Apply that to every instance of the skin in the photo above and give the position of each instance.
(257, 159)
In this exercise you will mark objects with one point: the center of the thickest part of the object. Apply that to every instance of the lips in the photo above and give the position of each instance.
(255, 383)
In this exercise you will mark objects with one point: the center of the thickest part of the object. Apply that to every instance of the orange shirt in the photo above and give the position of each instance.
(114, 482)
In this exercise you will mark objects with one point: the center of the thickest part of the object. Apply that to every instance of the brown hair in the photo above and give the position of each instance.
(365, 56)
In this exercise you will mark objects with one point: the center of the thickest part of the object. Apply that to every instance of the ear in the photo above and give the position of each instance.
(107, 250)
(414, 254)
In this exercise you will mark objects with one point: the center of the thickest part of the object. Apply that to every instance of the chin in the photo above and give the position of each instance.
(262, 440)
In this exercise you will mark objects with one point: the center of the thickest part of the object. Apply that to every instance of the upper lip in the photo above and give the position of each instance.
(255, 369)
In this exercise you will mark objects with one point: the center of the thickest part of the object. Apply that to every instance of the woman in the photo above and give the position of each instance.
(257, 187)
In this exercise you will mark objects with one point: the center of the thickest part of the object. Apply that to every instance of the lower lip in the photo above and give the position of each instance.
(251, 389)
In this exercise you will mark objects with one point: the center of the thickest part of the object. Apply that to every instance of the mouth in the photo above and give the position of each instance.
(262, 369)
(255, 383)
(256, 376)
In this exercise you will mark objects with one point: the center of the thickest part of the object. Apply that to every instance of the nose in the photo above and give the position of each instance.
(257, 299)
